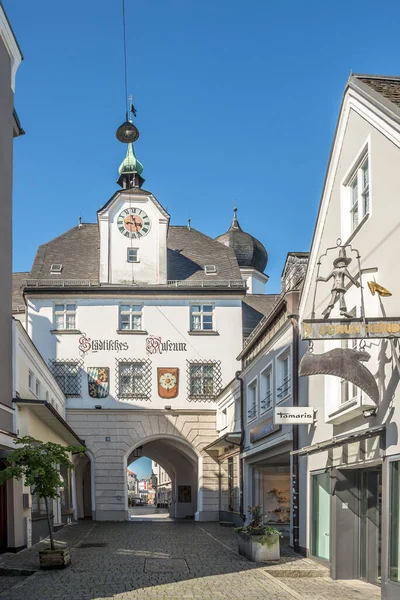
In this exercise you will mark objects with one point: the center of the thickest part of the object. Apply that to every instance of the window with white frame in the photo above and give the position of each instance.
(358, 189)
(65, 316)
(201, 317)
(266, 395)
(130, 317)
(283, 376)
(134, 379)
(133, 255)
(31, 381)
(38, 388)
(252, 400)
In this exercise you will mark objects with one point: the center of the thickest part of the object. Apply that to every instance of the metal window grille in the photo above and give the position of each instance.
(252, 412)
(201, 317)
(130, 317)
(283, 389)
(67, 373)
(204, 380)
(266, 403)
(133, 378)
(65, 316)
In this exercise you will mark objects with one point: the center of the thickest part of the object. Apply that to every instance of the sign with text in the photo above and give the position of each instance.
(289, 415)
(155, 345)
(263, 429)
(341, 329)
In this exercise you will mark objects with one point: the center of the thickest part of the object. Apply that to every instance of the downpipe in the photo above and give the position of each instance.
(295, 457)
(242, 425)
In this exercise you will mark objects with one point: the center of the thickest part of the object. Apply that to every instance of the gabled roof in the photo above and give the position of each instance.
(255, 307)
(138, 192)
(189, 250)
(381, 89)
(18, 304)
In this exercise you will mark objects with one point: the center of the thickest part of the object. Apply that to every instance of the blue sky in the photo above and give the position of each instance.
(237, 103)
(141, 466)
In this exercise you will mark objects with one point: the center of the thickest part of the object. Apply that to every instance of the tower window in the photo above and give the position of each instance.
(133, 255)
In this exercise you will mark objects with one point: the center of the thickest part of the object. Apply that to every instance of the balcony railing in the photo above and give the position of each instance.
(237, 284)
(251, 413)
(267, 402)
(284, 389)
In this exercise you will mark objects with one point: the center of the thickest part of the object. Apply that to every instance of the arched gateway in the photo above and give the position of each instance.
(141, 323)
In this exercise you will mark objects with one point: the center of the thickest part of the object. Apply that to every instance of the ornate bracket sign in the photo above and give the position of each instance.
(339, 329)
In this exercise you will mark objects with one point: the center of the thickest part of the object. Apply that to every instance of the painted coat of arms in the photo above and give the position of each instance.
(98, 381)
(168, 382)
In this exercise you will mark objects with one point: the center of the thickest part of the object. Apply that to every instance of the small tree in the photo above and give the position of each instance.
(38, 463)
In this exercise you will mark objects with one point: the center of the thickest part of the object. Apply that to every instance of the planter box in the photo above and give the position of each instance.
(55, 559)
(251, 548)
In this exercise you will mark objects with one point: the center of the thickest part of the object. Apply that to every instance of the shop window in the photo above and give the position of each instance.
(130, 317)
(252, 400)
(266, 396)
(65, 316)
(271, 489)
(201, 317)
(38, 507)
(283, 376)
(394, 543)
(320, 515)
(65, 490)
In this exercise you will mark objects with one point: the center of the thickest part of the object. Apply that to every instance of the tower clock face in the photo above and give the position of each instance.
(133, 223)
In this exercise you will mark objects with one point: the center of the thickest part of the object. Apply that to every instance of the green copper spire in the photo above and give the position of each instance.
(130, 164)
(130, 170)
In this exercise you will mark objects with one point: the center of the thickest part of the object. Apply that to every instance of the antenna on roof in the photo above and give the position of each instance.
(80, 222)
(188, 225)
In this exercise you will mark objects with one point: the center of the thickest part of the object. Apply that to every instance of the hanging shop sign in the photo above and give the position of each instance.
(156, 345)
(168, 382)
(86, 345)
(263, 430)
(319, 329)
(289, 415)
(98, 381)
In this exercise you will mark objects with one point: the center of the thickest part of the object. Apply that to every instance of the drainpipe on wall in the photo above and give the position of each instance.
(292, 299)
(241, 478)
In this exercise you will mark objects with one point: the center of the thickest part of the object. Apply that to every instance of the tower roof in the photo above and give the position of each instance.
(249, 251)
(130, 164)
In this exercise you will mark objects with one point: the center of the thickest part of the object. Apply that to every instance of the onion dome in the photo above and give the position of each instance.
(130, 170)
(248, 250)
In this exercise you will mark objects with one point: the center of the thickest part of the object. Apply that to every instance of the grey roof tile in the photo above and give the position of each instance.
(18, 304)
(387, 86)
(254, 308)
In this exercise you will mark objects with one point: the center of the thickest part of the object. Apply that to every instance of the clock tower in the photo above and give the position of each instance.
(133, 228)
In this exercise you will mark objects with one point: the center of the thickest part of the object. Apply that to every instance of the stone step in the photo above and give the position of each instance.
(297, 572)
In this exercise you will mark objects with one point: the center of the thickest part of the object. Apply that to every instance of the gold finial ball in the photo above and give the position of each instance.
(127, 133)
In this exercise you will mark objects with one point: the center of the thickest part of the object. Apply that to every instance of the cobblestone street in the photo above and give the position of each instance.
(167, 561)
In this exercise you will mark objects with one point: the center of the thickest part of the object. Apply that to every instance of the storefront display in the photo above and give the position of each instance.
(272, 492)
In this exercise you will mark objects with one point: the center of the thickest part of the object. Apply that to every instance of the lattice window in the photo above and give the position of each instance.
(67, 373)
(133, 379)
(204, 380)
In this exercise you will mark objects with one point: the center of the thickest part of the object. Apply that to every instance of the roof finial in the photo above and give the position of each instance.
(80, 222)
(235, 222)
(188, 225)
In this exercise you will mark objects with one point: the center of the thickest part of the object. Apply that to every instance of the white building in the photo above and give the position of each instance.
(350, 459)
(162, 485)
(141, 323)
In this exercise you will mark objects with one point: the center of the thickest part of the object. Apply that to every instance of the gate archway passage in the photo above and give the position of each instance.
(175, 441)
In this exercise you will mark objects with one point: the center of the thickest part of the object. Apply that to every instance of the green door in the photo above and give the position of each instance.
(321, 513)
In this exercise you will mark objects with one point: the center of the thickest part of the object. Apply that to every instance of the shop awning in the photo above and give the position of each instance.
(340, 440)
(50, 417)
(226, 444)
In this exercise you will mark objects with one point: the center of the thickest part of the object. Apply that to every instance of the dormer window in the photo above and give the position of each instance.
(133, 255)
(56, 269)
(210, 269)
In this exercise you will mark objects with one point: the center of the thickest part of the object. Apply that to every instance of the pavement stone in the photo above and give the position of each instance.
(118, 568)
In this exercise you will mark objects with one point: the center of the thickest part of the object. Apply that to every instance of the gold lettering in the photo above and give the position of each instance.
(395, 327)
(331, 329)
(322, 329)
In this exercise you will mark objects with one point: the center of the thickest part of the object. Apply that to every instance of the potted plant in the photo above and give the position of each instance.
(38, 463)
(257, 541)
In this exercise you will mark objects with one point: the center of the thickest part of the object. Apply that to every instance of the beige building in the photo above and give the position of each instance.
(39, 406)
(162, 484)
(10, 58)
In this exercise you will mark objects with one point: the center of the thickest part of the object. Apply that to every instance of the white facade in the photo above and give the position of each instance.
(358, 205)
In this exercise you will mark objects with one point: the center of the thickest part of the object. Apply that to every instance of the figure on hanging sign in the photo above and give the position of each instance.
(98, 381)
(168, 382)
(339, 275)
